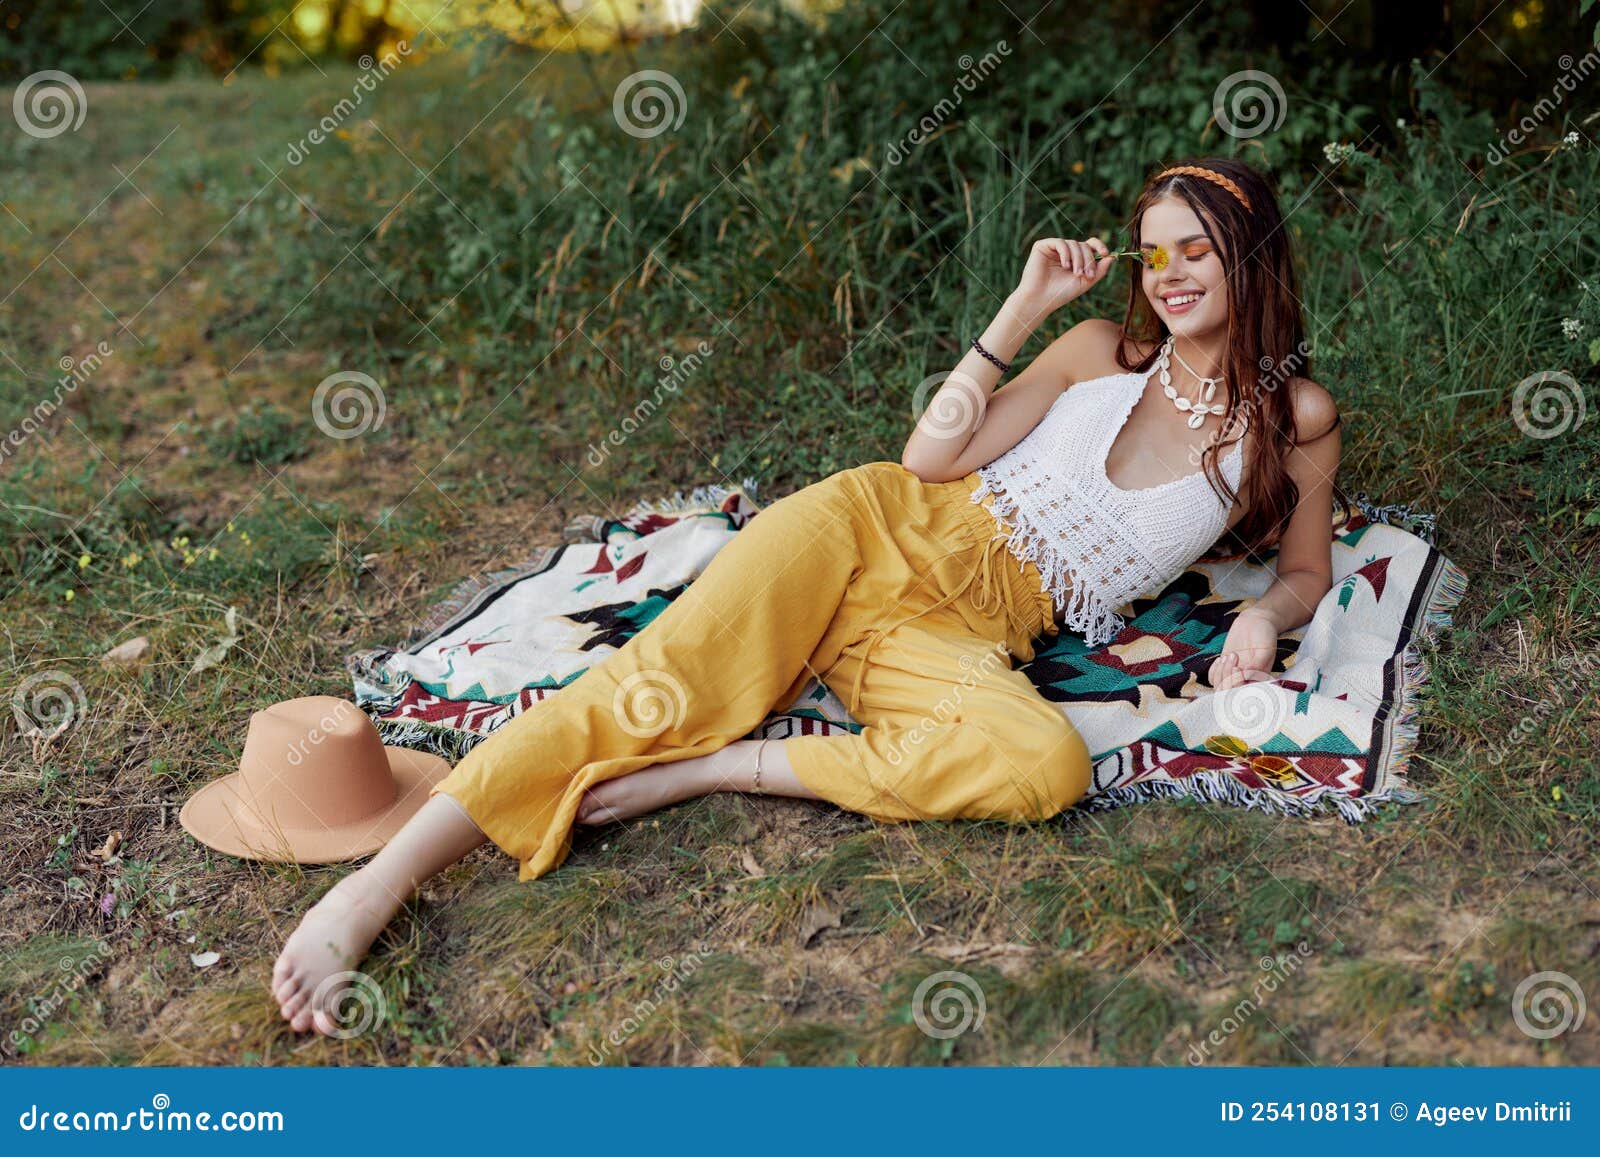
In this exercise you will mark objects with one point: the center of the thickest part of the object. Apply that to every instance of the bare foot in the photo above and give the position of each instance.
(653, 788)
(332, 938)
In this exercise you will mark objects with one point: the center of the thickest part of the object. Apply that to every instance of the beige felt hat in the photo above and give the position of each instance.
(315, 785)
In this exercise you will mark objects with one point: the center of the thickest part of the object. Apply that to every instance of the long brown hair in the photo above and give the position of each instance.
(1266, 344)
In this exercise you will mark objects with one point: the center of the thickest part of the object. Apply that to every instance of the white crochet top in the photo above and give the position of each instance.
(1097, 545)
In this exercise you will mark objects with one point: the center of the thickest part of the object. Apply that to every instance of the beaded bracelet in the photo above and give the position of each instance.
(1005, 367)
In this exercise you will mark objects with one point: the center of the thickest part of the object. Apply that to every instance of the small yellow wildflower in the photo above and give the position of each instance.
(1155, 257)
(188, 557)
(83, 561)
(230, 526)
(1556, 793)
(212, 554)
(244, 537)
(131, 560)
(180, 542)
(71, 595)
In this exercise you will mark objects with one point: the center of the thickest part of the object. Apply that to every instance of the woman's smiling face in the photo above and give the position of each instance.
(1189, 295)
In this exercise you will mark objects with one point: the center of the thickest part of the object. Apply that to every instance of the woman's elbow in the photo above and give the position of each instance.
(918, 464)
(930, 471)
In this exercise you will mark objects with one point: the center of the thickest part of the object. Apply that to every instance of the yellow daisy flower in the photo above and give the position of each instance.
(1155, 257)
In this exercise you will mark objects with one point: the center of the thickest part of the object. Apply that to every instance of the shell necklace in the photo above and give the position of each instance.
(1197, 410)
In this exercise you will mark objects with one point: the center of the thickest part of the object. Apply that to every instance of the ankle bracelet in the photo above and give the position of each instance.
(756, 785)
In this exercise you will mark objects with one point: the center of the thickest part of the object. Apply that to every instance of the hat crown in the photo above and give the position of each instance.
(314, 763)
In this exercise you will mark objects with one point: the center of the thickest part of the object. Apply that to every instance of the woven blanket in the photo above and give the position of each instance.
(1334, 727)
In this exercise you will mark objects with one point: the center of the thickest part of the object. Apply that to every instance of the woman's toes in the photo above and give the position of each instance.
(295, 1003)
(592, 809)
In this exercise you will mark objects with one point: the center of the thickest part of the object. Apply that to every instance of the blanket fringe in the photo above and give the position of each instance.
(711, 494)
(1421, 523)
(450, 743)
(592, 527)
(1220, 787)
(1448, 588)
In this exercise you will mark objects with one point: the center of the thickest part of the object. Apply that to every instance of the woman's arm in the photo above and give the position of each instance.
(1305, 550)
(967, 424)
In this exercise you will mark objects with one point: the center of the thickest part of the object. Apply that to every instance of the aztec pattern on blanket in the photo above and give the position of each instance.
(1336, 726)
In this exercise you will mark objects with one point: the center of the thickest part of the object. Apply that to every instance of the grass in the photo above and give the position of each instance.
(514, 305)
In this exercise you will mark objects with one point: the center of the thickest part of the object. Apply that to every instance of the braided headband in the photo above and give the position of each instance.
(1210, 175)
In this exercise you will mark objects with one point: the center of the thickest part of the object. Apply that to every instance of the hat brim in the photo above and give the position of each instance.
(219, 817)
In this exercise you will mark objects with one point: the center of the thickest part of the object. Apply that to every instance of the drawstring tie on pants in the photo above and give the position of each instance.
(991, 597)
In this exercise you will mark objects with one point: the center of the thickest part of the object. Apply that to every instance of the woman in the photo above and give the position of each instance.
(1114, 461)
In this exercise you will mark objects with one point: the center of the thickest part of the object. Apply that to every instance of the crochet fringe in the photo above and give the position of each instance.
(1084, 612)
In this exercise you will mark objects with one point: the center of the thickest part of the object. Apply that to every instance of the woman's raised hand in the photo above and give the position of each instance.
(1059, 270)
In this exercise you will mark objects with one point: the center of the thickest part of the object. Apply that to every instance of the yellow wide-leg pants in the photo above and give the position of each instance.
(898, 593)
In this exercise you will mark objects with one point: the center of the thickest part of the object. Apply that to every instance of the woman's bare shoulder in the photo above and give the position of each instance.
(1089, 350)
(1315, 411)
